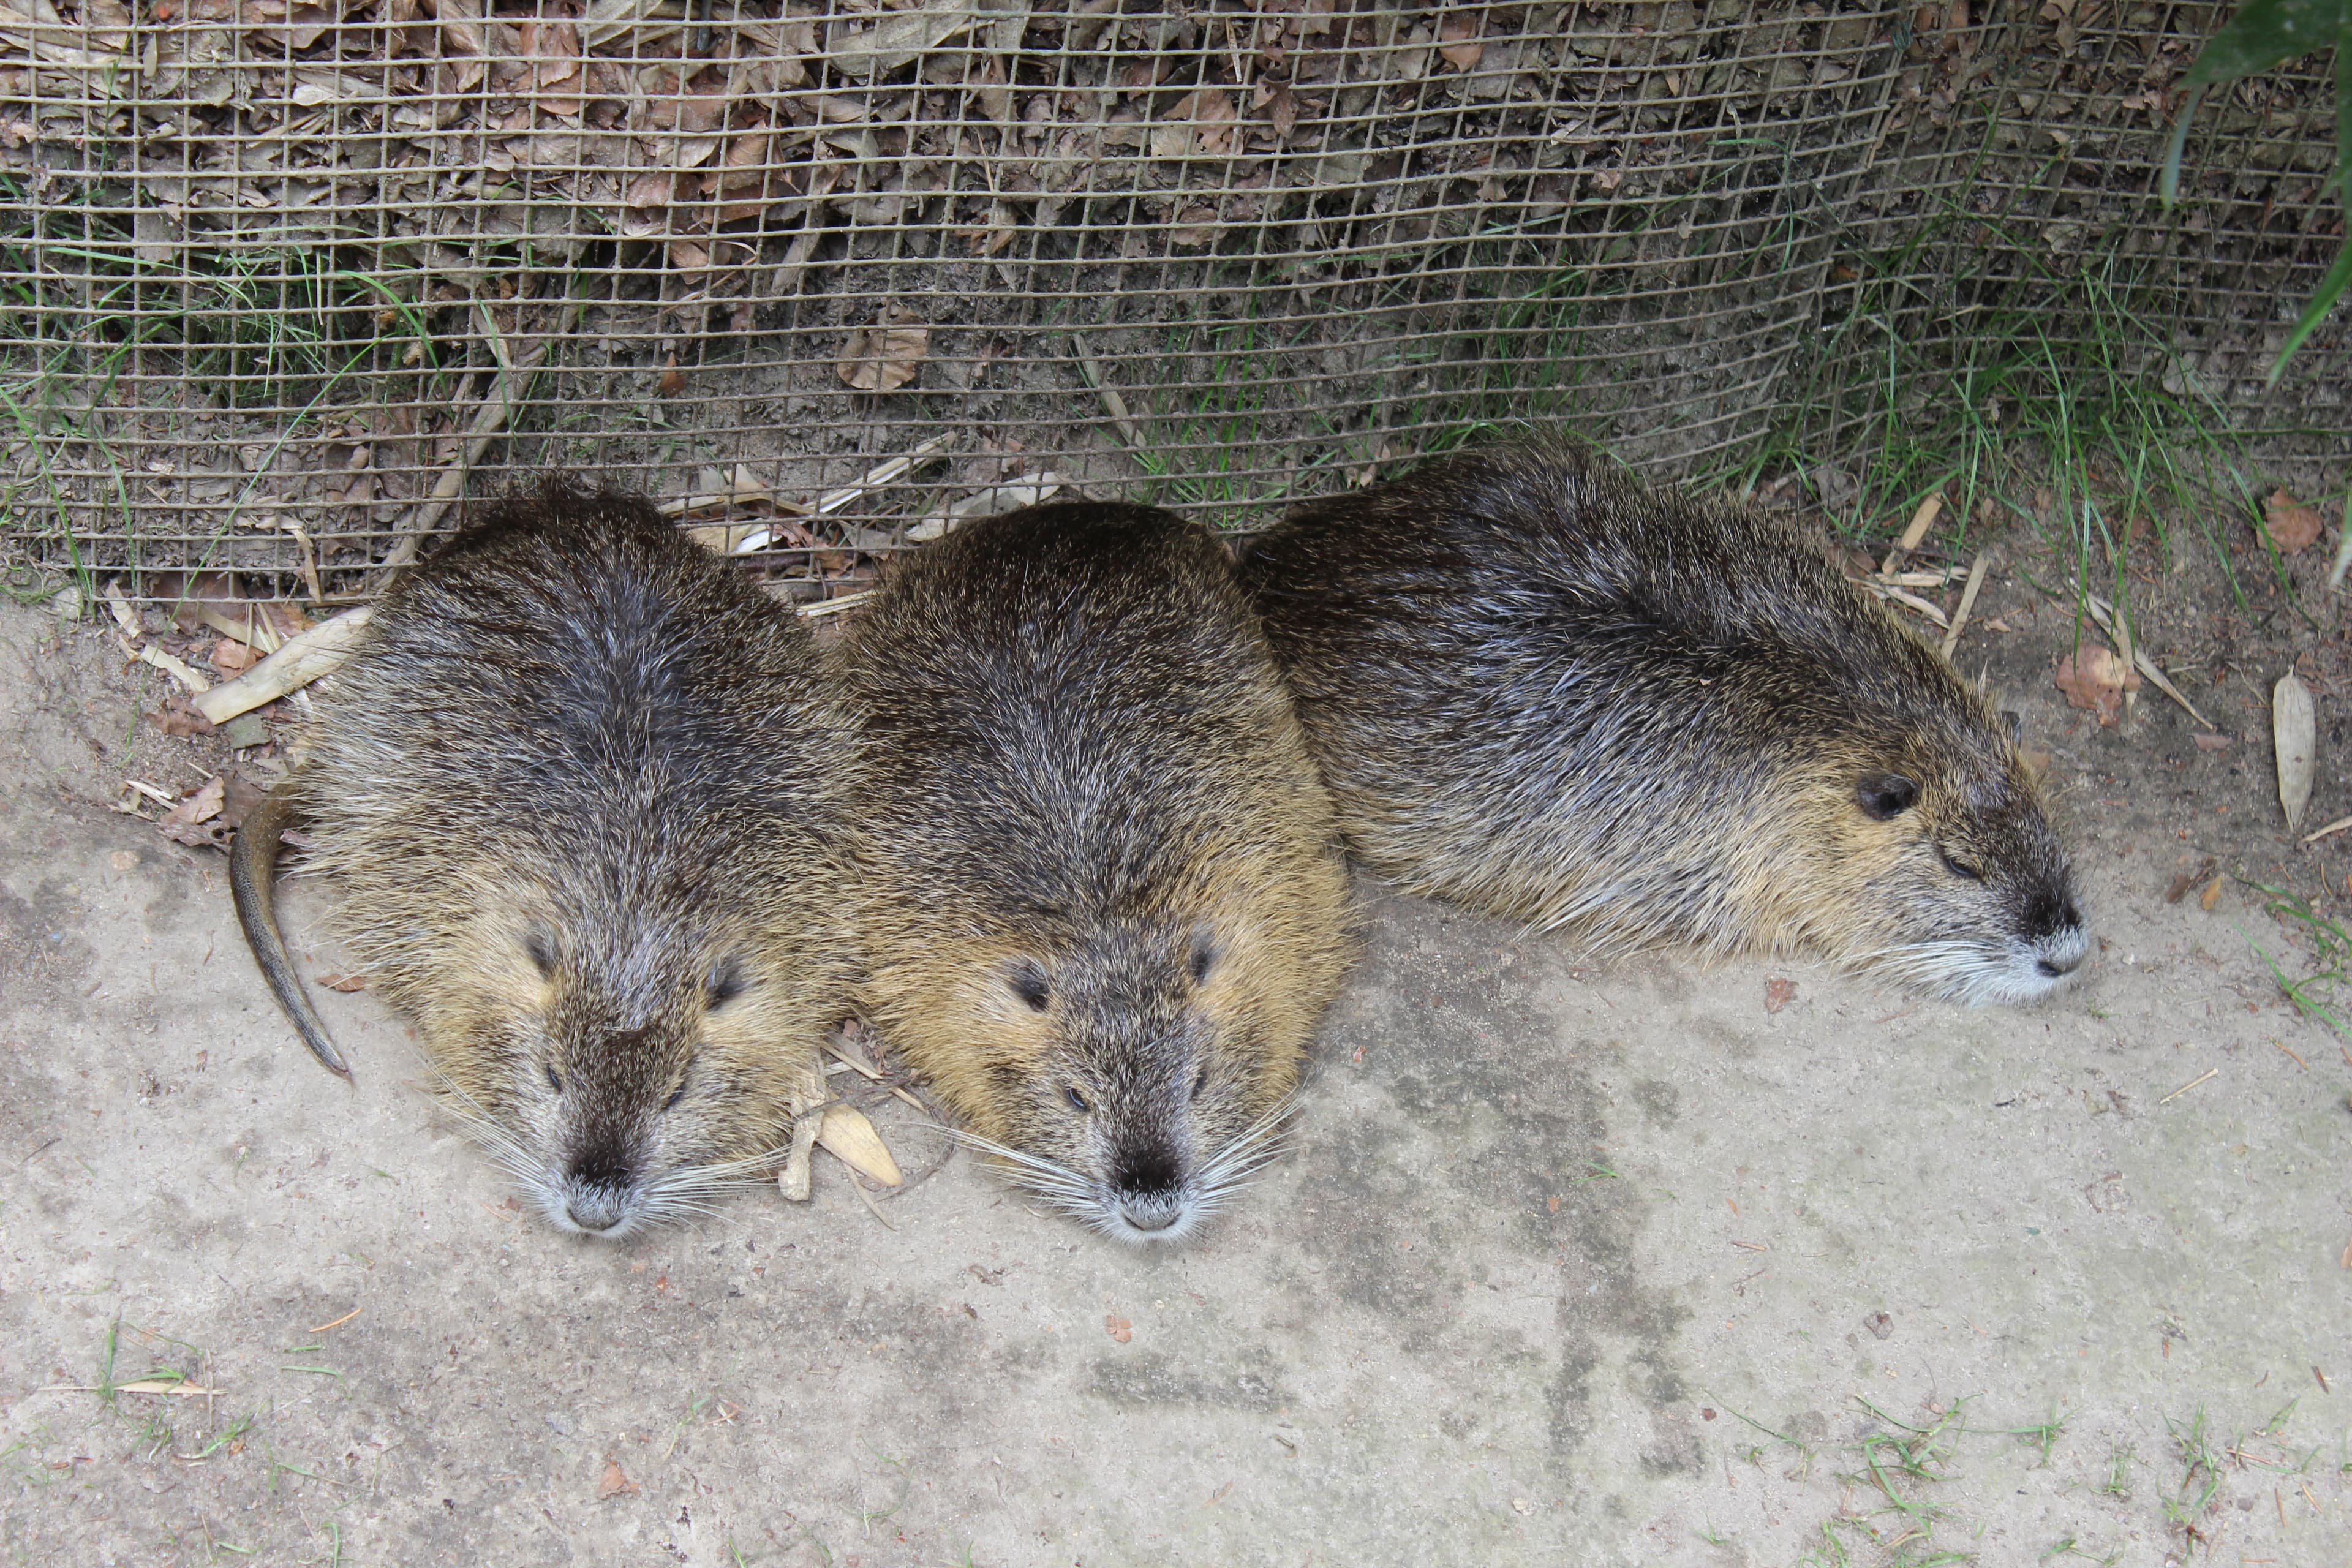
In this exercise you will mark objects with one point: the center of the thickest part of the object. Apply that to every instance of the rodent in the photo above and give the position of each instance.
(582, 792)
(1105, 901)
(1542, 688)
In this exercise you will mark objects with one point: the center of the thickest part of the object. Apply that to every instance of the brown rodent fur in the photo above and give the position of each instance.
(1542, 688)
(1105, 901)
(583, 790)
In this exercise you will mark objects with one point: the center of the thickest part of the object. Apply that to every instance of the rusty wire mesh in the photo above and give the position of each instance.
(285, 281)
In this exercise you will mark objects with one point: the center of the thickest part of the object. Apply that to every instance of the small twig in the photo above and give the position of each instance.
(1967, 599)
(339, 1322)
(835, 606)
(298, 661)
(1112, 401)
(888, 472)
(2185, 1088)
(491, 417)
(868, 1198)
(1921, 521)
(2338, 825)
(1909, 601)
(2140, 661)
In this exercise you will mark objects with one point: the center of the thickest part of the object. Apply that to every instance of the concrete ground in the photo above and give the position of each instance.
(1567, 1265)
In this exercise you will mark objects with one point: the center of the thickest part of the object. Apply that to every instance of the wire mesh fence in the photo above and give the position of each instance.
(284, 282)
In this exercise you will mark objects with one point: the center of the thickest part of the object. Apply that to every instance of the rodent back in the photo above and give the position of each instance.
(1542, 686)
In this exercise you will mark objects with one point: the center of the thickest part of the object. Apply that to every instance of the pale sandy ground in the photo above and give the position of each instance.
(1566, 1266)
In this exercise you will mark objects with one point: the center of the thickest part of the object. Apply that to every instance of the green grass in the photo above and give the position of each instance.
(2316, 994)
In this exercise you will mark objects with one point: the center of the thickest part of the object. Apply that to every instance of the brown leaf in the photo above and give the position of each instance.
(1779, 993)
(1118, 1328)
(885, 356)
(1458, 36)
(612, 1483)
(343, 982)
(177, 717)
(2096, 679)
(239, 799)
(2292, 526)
(191, 822)
(232, 658)
(2211, 896)
(1282, 108)
(673, 380)
(1200, 123)
(201, 806)
(2215, 743)
(2187, 880)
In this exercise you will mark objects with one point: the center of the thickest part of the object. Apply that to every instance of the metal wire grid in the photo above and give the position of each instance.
(2020, 199)
(280, 278)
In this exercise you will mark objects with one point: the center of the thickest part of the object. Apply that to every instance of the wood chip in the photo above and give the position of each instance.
(1977, 570)
(2294, 735)
(2185, 1088)
(794, 1180)
(1921, 521)
(2191, 878)
(2211, 896)
(302, 660)
(850, 1138)
(196, 684)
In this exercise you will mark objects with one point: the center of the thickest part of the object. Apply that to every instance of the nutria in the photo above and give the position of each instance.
(581, 788)
(1105, 903)
(1542, 688)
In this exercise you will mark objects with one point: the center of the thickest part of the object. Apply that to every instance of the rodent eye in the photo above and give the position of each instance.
(1028, 983)
(1200, 1081)
(727, 981)
(1882, 796)
(540, 949)
(1959, 868)
(553, 1082)
(1077, 1102)
(671, 1103)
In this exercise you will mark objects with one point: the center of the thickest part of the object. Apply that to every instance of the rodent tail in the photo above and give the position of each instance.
(253, 882)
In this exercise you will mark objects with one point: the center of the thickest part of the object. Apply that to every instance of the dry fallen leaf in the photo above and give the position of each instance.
(612, 1483)
(846, 1135)
(346, 983)
(1778, 994)
(2211, 896)
(1119, 1328)
(177, 717)
(191, 821)
(2187, 880)
(2292, 526)
(2217, 742)
(2295, 732)
(232, 658)
(885, 356)
(1458, 35)
(2095, 679)
(673, 380)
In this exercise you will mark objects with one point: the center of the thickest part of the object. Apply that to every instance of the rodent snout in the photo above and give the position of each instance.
(599, 1193)
(1147, 1189)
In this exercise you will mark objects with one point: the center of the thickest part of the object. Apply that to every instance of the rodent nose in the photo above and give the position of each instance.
(2052, 971)
(2048, 915)
(595, 1208)
(1151, 1215)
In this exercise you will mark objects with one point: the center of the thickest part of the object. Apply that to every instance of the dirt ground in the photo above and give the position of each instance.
(1637, 1265)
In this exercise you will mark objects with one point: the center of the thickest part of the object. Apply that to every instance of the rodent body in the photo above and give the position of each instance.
(582, 791)
(1541, 688)
(1104, 899)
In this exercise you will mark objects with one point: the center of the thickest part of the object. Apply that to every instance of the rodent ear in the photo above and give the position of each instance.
(2012, 726)
(1204, 958)
(1882, 796)
(728, 979)
(1027, 978)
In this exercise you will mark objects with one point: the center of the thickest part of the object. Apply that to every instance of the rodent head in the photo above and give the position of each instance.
(1128, 1075)
(620, 1084)
(1937, 862)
